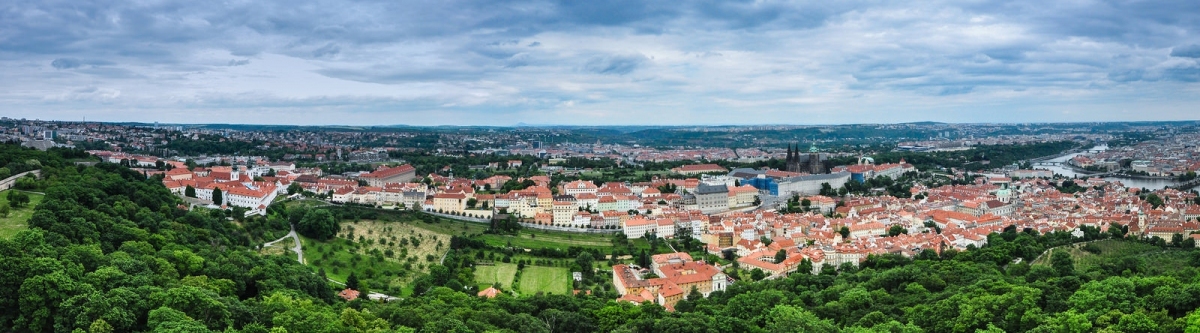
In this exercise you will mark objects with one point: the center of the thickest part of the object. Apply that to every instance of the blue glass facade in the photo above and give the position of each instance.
(763, 184)
(858, 177)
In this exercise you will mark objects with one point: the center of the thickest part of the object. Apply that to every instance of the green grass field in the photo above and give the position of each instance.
(17, 217)
(486, 276)
(553, 280)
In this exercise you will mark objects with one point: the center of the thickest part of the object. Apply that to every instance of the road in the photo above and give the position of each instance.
(297, 248)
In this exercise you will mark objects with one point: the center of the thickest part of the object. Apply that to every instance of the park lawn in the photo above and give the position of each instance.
(17, 217)
(551, 280)
(283, 248)
(503, 273)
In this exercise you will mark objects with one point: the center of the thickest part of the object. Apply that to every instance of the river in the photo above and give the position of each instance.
(1152, 184)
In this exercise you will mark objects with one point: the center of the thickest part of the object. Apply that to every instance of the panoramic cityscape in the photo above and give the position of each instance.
(620, 166)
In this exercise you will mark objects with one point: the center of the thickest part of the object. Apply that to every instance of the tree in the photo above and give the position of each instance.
(318, 224)
(18, 199)
(1062, 263)
(1115, 231)
(294, 188)
(1154, 200)
(4, 209)
(757, 274)
(352, 281)
(216, 197)
(780, 256)
(896, 229)
(165, 319)
(786, 319)
(189, 192)
(472, 202)
(584, 260)
(845, 232)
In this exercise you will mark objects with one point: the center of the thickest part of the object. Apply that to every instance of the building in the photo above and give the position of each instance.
(699, 169)
(385, 175)
(638, 227)
(810, 184)
(712, 198)
(678, 276)
(449, 202)
(742, 196)
(253, 195)
(1031, 174)
(812, 162)
(579, 187)
(564, 212)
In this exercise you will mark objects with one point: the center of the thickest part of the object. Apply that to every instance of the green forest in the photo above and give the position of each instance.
(110, 250)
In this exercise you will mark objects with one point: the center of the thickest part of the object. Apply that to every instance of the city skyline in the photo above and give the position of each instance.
(612, 63)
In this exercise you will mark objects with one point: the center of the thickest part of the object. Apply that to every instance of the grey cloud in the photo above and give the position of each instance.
(614, 64)
(519, 60)
(328, 50)
(1186, 51)
(381, 74)
(959, 90)
(73, 63)
(1127, 76)
(66, 63)
(1020, 45)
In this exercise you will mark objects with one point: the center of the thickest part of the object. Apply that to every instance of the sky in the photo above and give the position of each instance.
(618, 62)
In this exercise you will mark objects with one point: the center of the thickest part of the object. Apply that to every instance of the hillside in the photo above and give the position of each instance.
(108, 251)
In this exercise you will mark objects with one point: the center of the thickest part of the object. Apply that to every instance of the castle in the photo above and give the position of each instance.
(812, 163)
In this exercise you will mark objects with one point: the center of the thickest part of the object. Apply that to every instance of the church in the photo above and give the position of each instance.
(812, 162)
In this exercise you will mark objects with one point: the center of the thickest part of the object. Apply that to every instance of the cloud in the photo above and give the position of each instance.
(73, 63)
(66, 63)
(614, 64)
(680, 61)
(328, 50)
(1186, 51)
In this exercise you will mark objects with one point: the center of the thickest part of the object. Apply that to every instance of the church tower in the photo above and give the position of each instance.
(815, 166)
(793, 159)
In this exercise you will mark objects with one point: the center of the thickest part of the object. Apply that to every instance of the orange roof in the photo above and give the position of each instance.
(490, 292)
(389, 172)
(348, 294)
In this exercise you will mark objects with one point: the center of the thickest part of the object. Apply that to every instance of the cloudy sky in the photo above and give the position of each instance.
(599, 62)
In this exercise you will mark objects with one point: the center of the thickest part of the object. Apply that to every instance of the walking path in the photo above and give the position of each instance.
(8, 183)
(297, 249)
